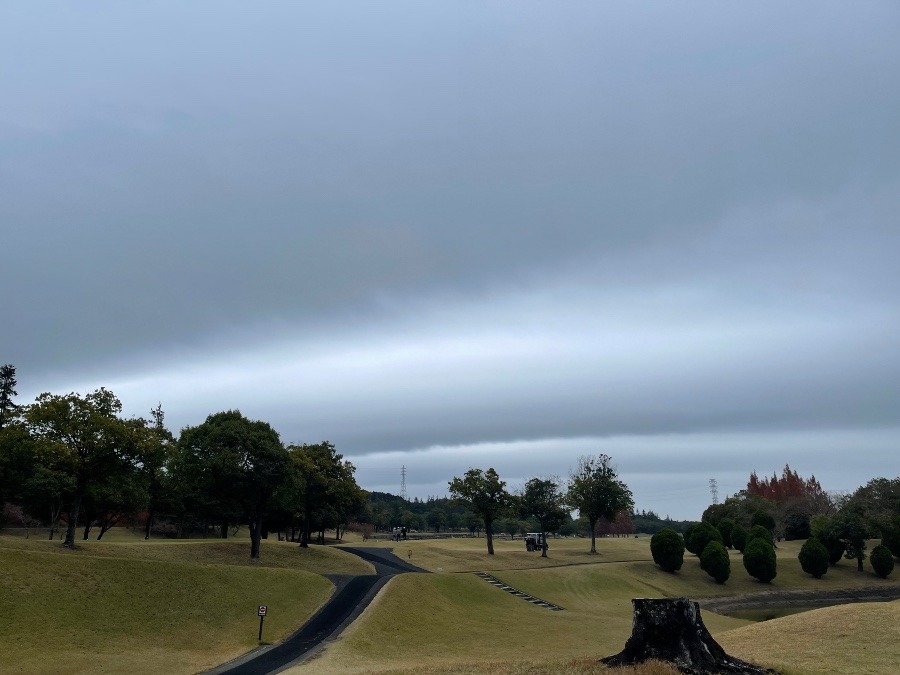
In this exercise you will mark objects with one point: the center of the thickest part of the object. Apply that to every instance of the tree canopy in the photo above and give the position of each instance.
(485, 495)
(596, 491)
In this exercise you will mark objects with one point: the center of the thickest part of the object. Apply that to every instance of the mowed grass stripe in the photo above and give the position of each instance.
(68, 614)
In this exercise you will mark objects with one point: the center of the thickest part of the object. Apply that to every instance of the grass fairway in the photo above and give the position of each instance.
(469, 554)
(858, 638)
(151, 607)
(457, 624)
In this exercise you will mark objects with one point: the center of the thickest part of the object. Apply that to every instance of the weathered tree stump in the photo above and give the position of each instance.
(672, 630)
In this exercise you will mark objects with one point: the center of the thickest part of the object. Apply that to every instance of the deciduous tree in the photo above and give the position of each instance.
(241, 460)
(544, 501)
(485, 495)
(596, 491)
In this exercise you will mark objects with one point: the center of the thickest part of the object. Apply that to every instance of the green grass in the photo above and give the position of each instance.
(151, 607)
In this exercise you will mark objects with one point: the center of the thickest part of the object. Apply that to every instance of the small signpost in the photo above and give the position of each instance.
(262, 616)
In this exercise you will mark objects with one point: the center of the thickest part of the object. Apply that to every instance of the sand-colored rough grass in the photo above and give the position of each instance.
(90, 614)
(567, 667)
(433, 621)
(858, 638)
(275, 554)
(468, 554)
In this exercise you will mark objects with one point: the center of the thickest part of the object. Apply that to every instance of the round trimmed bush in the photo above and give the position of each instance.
(835, 548)
(764, 519)
(759, 532)
(882, 560)
(715, 562)
(759, 560)
(667, 549)
(724, 527)
(890, 537)
(688, 533)
(701, 536)
(814, 557)
(739, 537)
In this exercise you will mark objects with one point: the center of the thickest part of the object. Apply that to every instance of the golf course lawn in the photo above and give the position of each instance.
(152, 607)
(127, 605)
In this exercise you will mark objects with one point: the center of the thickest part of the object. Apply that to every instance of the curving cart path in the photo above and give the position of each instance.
(352, 595)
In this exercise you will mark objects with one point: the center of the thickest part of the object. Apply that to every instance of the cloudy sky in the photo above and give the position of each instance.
(468, 234)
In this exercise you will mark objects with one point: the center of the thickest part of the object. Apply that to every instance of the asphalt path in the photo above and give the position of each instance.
(352, 595)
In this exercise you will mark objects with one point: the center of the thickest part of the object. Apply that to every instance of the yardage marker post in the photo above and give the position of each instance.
(262, 616)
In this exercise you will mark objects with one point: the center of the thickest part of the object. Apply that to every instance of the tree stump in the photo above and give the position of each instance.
(672, 630)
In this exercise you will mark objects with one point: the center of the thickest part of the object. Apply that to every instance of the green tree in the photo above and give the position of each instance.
(544, 501)
(760, 532)
(851, 528)
(814, 557)
(154, 459)
(715, 562)
(83, 435)
(738, 538)
(596, 491)
(667, 549)
(330, 493)
(437, 518)
(760, 561)
(700, 536)
(8, 408)
(243, 459)
(725, 526)
(763, 519)
(485, 495)
(882, 561)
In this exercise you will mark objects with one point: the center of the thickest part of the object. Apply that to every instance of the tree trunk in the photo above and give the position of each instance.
(255, 536)
(72, 524)
(593, 524)
(87, 529)
(149, 525)
(672, 630)
(223, 532)
(488, 531)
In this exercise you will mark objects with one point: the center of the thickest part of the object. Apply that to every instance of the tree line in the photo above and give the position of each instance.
(74, 458)
(593, 489)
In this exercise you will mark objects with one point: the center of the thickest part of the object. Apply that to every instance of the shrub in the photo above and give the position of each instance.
(814, 557)
(763, 519)
(759, 532)
(688, 533)
(890, 537)
(759, 560)
(724, 527)
(701, 536)
(715, 562)
(882, 560)
(739, 537)
(667, 548)
(797, 526)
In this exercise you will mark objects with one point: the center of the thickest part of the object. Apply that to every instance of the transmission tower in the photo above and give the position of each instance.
(403, 483)
(714, 490)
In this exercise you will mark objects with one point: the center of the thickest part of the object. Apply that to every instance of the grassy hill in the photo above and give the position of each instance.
(152, 607)
(126, 605)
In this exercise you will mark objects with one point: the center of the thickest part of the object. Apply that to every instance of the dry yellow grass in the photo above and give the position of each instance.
(861, 638)
(232, 552)
(468, 554)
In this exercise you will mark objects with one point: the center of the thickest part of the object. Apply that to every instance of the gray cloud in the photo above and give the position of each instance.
(415, 226)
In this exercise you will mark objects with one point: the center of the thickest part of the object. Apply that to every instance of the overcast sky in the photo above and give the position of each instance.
(468, 234)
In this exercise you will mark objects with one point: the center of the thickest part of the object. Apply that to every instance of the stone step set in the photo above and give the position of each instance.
(494, 581)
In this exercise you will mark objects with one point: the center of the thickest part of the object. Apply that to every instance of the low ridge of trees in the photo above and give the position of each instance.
(74, 459)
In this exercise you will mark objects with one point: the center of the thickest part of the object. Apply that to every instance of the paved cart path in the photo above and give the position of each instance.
(352, 595)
